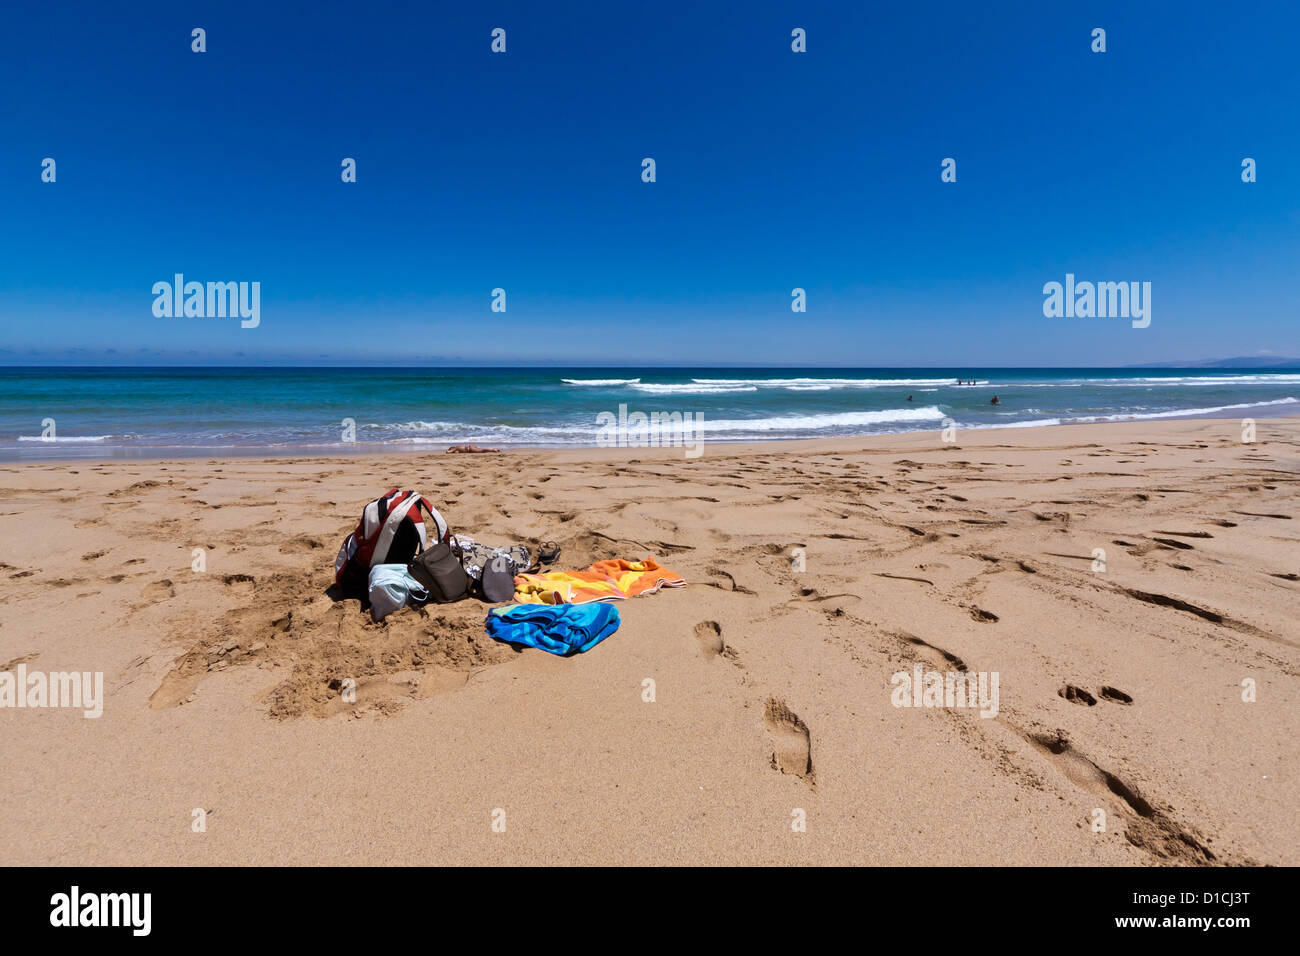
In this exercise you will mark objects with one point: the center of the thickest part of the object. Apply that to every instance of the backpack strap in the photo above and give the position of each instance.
(396, 514)
(439, 522)
(395, 507)
(376, 513)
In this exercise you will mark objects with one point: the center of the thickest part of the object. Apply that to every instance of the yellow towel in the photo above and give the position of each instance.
(565, 587)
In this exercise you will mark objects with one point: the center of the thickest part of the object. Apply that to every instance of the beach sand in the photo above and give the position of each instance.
(1120, 690)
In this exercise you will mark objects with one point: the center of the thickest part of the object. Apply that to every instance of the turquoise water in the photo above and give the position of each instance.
(124, 412)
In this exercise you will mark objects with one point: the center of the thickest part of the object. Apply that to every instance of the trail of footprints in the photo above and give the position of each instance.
(1077, 695)
(789, 738)
(1147, 826)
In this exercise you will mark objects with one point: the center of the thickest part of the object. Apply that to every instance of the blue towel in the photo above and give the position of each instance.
(558, 628)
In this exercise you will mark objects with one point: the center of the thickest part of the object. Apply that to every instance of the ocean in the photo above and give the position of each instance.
(90, 413)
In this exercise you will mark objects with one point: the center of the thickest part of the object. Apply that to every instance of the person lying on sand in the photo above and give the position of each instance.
(468, 450)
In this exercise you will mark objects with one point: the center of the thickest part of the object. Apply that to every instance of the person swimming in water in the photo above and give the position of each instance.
(994, 400)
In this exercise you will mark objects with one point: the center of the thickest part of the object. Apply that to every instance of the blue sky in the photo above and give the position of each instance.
(775, 170)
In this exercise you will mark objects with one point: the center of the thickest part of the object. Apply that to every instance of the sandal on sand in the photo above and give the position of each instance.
(548, 552)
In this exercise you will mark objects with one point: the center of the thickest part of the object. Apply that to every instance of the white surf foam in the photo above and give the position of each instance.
(1131, 416)
(1181, 412)
(596, 382)
(791, 383)
(810, 423)
(74, 439)
(653, 388)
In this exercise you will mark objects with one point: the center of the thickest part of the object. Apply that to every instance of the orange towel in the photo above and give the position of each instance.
(613, 580)
(635, 578)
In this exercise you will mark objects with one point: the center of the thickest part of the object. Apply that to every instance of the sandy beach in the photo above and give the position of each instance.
(817, 570)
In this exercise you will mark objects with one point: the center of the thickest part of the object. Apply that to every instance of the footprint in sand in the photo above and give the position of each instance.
(1151, 829)
(730, 583)
(1115, 695)
(158, 591)
(791, 741)
(1086, 775)
(134, 489)
(1077, 695)
(709, 636)
(240, 583)
(301, 545)
(936, 656)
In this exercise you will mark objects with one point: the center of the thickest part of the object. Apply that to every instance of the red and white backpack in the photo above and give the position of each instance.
(391, 531)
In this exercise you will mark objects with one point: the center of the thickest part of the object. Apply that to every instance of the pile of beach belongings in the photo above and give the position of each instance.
(393, 558)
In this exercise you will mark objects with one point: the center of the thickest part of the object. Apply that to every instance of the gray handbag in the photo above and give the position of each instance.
(440, 573)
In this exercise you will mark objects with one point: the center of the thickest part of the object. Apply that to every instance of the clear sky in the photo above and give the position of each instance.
(775, 170)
